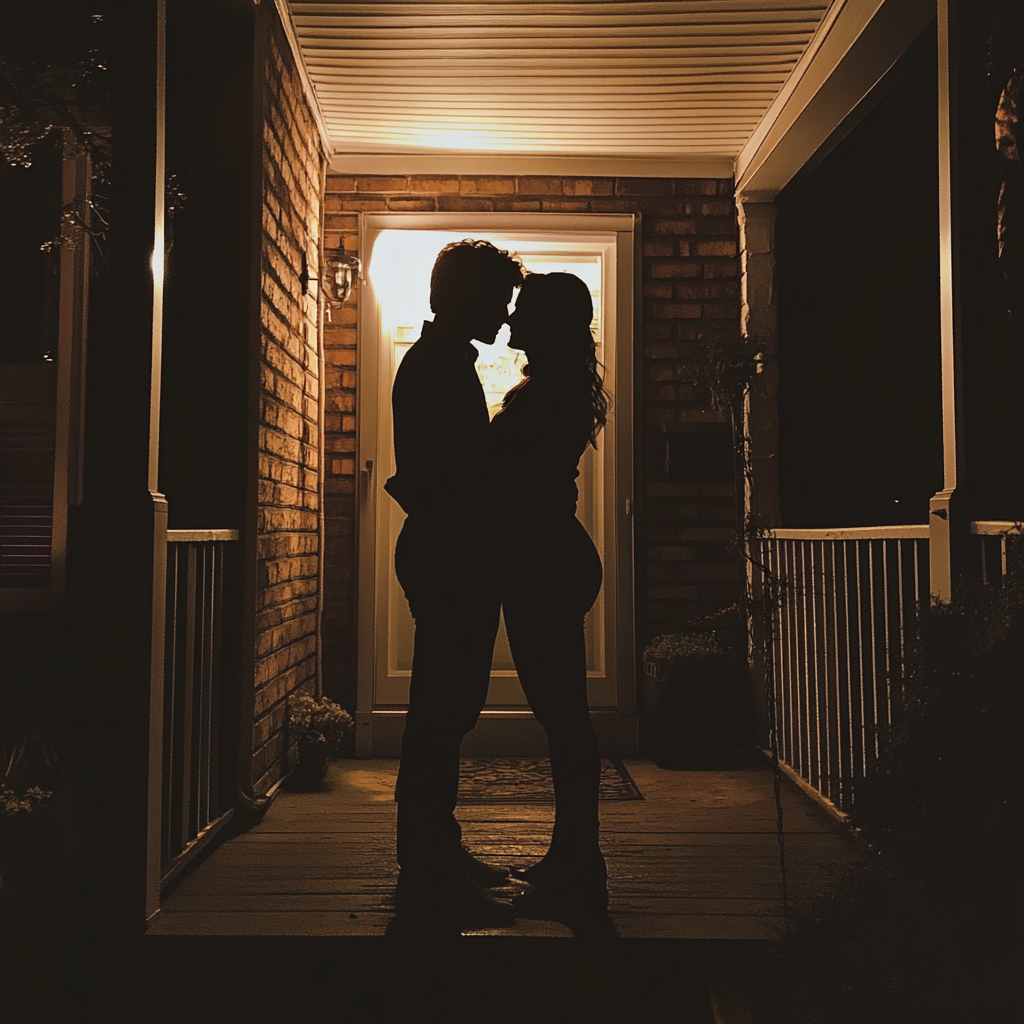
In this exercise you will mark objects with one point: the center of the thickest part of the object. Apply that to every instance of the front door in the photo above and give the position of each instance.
(394, 303)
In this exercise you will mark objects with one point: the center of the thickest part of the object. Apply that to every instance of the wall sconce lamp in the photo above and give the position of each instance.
(341, 271)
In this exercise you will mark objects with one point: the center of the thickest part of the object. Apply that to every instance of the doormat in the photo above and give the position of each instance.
(527, 780)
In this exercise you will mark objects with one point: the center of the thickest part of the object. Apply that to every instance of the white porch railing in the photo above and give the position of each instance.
(995, 537)
(849, 600)
(194, 802)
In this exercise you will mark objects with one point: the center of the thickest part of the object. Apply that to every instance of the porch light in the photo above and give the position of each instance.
(342, 270)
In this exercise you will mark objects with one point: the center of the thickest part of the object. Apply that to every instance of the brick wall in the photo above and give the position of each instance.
(690, 291)
(289, 460)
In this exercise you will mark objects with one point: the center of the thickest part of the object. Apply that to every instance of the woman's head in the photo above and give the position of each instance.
(551, 324)
(552, 318)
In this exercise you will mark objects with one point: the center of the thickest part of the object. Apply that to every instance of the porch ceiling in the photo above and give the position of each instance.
(665, 81)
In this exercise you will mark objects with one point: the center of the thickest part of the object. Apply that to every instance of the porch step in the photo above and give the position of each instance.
(492, 980)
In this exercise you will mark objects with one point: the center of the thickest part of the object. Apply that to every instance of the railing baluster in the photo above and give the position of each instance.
(207, 663)
(901, 548)
(831, 670)
(813, 647)
(806, 642)
(188, 695)
(886, 704)
(851, 745)
(786, 634)
(192, 693)
(861, 734)
(822, 668)
(803, 725)
(814, 682)
(848, 605)
(170, 672)
(178, 749)
(781, 648)
(792, 669)
(215, 685)
(849, 765)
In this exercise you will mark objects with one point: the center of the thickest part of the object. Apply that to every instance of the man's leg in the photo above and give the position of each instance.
(451, 670)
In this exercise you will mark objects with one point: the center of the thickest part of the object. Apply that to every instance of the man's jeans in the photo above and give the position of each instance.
(456, 608)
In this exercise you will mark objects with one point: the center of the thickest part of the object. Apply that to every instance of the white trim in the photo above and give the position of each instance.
(856, 44)
(580, 223)
(783, 104)
(838, 816)
(561, 166)
(285, 14)
(997, 528)
(854, 533)
(200, 536)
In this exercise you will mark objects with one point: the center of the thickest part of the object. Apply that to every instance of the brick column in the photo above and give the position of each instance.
(761, 412)
(758, 323)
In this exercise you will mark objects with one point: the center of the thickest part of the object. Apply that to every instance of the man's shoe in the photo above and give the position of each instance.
(535, 872)
(483, 874)
(554, 900)
(449, 898)
(569, 890)
(568, 865)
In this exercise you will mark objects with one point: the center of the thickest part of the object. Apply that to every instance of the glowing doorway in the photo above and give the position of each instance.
(394, 303)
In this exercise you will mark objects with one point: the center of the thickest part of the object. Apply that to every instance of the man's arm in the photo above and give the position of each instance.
(440, 432)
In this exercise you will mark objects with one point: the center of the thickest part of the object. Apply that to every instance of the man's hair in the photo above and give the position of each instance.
(468, 267)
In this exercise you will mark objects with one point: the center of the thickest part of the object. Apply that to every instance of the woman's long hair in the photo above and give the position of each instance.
(563, 302)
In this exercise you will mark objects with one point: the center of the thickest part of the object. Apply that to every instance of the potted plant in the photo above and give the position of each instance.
(321, 725)
(698, 708)
(18, 853)
(39, 836)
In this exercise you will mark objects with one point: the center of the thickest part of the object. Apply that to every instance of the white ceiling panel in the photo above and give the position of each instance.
(658, 80)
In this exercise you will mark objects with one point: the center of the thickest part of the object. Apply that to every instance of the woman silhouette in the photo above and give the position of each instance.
(552, 574)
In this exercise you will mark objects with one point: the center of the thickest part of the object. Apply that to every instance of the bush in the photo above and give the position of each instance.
(681, 646)
(928, 926)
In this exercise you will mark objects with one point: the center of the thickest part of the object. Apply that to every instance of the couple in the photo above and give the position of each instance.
(491, 524)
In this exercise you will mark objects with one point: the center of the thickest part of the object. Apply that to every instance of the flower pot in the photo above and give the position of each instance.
(35, 852)
(314, 757)
(698, 711)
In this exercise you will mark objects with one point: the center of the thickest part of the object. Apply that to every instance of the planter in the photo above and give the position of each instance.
(36, 851)
(698, 711)
(314, 757)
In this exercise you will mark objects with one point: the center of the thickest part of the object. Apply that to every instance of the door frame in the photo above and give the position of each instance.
(500, 732)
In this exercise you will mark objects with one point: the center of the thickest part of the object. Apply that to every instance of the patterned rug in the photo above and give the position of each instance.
(527, 780)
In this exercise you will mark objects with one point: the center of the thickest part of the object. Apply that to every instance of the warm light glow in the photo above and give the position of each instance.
(398, 271)
(156, 262)
(462, 138)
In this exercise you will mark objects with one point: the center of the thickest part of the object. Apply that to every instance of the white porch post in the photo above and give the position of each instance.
(946, 525)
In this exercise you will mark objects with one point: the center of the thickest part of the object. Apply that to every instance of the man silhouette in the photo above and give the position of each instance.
(441, 457)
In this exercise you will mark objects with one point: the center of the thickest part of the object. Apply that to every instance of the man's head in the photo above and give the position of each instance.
(471, 286)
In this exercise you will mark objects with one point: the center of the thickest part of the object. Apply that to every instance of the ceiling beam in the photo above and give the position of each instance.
(856, 45)
(563, 166)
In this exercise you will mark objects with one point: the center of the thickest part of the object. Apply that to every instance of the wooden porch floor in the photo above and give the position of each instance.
(696, 859)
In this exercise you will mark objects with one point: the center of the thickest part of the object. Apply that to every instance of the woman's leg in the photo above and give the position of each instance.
(548, 646)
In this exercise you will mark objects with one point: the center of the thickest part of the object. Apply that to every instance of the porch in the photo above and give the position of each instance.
(696, 859)
(239, 588)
